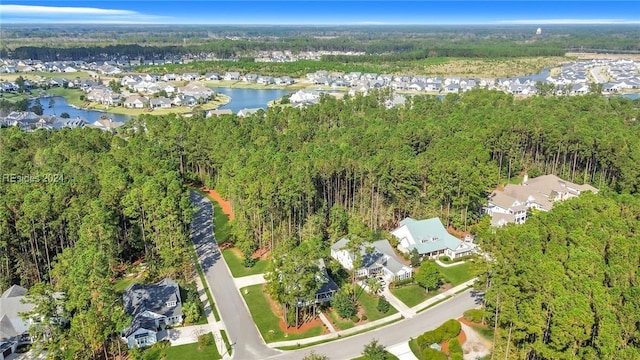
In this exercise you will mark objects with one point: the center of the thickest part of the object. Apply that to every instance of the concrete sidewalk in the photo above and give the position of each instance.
(338, 334)
(451, 292)
(440, 263)
(414, 310)
(406, 311)
(402, 351)
(249, 280)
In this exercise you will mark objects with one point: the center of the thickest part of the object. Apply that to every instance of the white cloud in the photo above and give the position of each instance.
(58, 10)
(63, 14)
(568, 21)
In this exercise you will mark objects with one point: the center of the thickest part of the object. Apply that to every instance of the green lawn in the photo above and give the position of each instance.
(370, 305)
(71, 95)
(122, 284)
(220, 222)
(413, 345)
(180, 352)
(338, 322)
(388, 356)
(484, 331)
(237, 267)
(266, 321)
(412, 295)
(225, 338)
(458, 274)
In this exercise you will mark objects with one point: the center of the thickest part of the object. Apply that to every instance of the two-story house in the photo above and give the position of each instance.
(153, 307)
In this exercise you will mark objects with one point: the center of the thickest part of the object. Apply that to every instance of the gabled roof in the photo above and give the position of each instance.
(139, 298)
(11, 306)
(427, 235)
(14, 291)
(140, 322)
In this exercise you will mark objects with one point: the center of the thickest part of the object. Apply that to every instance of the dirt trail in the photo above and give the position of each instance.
(224, 204)
(476, 346)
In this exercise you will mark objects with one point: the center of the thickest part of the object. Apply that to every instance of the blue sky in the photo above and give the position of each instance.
(321, 12)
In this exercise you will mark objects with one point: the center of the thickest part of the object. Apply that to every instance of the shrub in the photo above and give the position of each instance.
(474, 315)
(450, 329)
(433, 354)
(383, 305)
(249, 261)
(364, 318)
(355, 318)
(415, 258)
(344, 305)
(403, 282)
(445, 259)
(455, 348)
(205, 340)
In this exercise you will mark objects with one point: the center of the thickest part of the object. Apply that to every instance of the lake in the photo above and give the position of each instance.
(632, 96)
(90, 116)
(249, 98)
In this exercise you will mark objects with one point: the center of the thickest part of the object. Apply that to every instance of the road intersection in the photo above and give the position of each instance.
(244, 336)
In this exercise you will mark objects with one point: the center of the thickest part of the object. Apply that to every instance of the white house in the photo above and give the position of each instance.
(153, 307)
(430, 238)
(14, 331)
(377, 258)
(135, 101)
(511, 204)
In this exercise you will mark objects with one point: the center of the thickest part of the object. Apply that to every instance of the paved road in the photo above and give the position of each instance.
(248, 344)
(396, 333)
(242, 331)
(597, 76)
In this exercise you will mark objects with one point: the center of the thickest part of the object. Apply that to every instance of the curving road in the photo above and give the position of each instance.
(398, 332)
(242, 332)
(248, 345)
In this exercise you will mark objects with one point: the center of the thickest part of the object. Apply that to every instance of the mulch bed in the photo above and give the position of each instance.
(224, 204)
(469, 323)
(462, 337)
(277, 309)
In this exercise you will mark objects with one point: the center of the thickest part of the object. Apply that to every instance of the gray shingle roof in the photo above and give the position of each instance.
(139, 298)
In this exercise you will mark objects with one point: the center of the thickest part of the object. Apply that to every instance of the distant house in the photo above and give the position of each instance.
(135, 101)
(232, 76)
(212, 76)
(152, 307)
(430, 238)
(197, 91)
(265, 80)
(106, 124)
(251, 78)
(14, 331)
(190, 76)
(219, 112)
(377, 258)
(160, 103)
(247, 112)
(284, 80)
(511, 204)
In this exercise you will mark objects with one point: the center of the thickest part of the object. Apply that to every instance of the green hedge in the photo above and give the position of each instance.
(449, 330)
(433, 354)
(455, 349)
(474, 315)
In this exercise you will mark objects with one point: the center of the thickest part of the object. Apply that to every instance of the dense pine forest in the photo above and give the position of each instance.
(75, 206)
(565, 284)
(305, 176)
(289, 168)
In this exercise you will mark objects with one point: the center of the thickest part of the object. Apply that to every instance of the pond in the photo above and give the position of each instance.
(90, 116)
(249, 98)
(633, 96)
